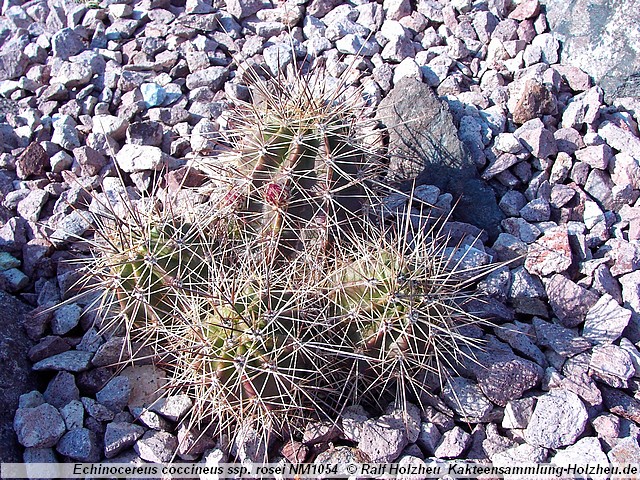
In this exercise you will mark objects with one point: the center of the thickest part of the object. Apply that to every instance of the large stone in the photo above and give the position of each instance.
(569, 301)
(558, 420)
(606, 320)
(40, 426)
(603, 41)
(423, 142)
(505, 381)
(16, 377)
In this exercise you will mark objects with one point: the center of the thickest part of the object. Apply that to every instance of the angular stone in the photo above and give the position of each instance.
(80, 444)
(32, 161)
(453, 444)
(585, 451)
(596, 156)
(525, 9)
(625, 451)
(71, 361)
(413, 107)
(621, 404)
(605, 321)
(383, 439)
(557, 421)
(137, 158)
(517, 413)
(120, 436)
(534, 100)
(173, 407)
(429, 437)
(61, 390)
(612, 365)
(562, 340)
(157, 447)
(65, 318)
(550, 254)
(39, 427)
(466, 399)
(115, 394)
(506, 381)
(569, 301)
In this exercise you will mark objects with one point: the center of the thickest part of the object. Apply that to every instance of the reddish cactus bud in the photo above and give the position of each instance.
(276, 194)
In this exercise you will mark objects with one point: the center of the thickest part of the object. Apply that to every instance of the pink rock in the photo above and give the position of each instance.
(625, 256)
(537, 139)
(597, 156)
(577, 80)
(549, 254)
(625, 170)
(569, 301)
(568, 140)
(620, 138)
(526, 9)
(526, 31)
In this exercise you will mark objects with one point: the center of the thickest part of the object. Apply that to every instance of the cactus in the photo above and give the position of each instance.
(299, 176)
(281, 297)
(401, 297)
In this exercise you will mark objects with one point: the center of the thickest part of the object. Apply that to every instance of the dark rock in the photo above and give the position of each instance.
(80, 444)
(32, 161)
(603, 34)
(506, 381)
(61, 390)
(621, 404)
(423, 143)
(15, 375)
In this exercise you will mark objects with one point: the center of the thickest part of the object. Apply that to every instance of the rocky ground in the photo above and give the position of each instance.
(551, 181)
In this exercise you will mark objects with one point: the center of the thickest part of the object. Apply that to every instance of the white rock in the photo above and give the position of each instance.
(136, 158)
(558, 420)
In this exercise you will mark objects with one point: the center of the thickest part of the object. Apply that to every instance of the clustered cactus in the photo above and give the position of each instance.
(285, 295)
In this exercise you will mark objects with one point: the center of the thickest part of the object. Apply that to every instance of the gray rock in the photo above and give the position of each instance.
(612, 365)
(277, 57)
(249, 444)
(158, 447)
(212, 77)
(66, 43)
(151, 419)
(625, 451)
(621, 404)
(423, 142)
(466, 399)
(66, 318)
(517, 413)
(453, 444)
(537, 210)
(633, 352)
(31, 399)
(173, 407)
(510, 248)
(192, 442)
(71, 227)
(73, 414)
(115, 394)
(512, 202)
(562, 340)
(61, 390)
(71, 361)
(429, 437)
(96, 410)
(521, 336)
(504, 381)
(605, 36)
(605, 320)
(39, 427)
(29, 208)
(569, 301)
(557, 421)
(243, 8)
(341, 456)
(119, 436)
(383, 439)
(585, 451)
(518, 455)
(80, 444)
